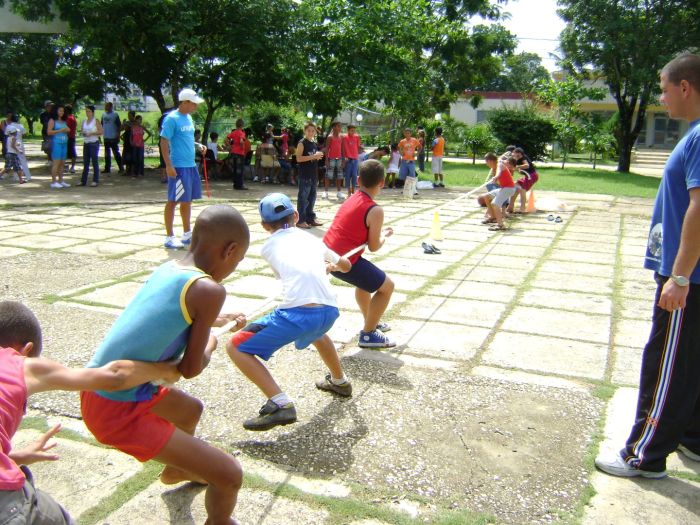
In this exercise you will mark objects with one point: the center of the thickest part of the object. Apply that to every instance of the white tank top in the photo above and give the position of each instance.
(90, 126)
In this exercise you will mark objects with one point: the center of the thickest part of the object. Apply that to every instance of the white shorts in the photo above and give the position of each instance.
(392, 169)
(436, 164)
(501, 195)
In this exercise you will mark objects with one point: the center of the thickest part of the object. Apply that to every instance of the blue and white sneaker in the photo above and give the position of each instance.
(173, 243)
(383, 327)
(186, 238)
(374, 339)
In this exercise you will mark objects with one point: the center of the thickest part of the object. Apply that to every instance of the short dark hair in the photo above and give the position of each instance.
(90, 107)
(19, 326)
(239, 123)
(511, 161)
(213, 135)
(438, 131)
(519, 150)
(685, 66)
(371, 173)
(280, 223)
(490, 156)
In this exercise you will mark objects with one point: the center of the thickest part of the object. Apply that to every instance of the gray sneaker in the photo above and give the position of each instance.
(614, 465)
(271, 415)
(326, 384)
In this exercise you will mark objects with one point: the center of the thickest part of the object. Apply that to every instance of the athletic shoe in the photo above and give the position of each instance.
(616, 466)
(94, 184)
(173, 243)
(56, 185)
(325, 195)
(374, 339)
(383, 327)
(256, 179)
(271, 415)
(72, 170)
(688, 453)
(81, 183)
(340, 196)
(64, 184)
(186, 238)
(326, 384)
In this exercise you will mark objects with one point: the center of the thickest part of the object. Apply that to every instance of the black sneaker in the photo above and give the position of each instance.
(326, 384)
(271, 416)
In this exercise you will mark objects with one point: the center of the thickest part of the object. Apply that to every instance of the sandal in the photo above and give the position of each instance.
(497, 228)
(488, 221)
(303, 226)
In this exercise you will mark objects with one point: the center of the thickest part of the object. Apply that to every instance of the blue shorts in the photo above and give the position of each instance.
(59, 150)
(352, 167)
(407, 169)
(303, 325)
(363, 275)
(186, 186)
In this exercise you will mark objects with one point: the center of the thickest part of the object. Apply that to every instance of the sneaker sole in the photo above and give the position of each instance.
(261, 428)
(376, 345)
(688, 453)
(631, 473)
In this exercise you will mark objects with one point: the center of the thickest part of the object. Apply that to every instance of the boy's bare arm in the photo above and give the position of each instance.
(375, 221)
(42, 374)
(204, 300)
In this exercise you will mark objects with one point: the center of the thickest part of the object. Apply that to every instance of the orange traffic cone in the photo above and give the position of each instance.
(531, 202)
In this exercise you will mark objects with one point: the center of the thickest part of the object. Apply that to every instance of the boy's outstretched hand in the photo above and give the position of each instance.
(37, 450)
(237, 317)
(343, 265)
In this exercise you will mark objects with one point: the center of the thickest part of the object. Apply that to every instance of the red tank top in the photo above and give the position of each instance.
(13, 404)
(349, 228)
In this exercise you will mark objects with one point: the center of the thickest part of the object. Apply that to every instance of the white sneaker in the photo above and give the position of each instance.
(56, 185)
(186, 238)
(64, 184)
(340, 195)
(325, 195)
(173, 243)
(256, 179)
(616, 466)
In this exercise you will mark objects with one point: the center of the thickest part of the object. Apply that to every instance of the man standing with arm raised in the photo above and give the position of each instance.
(668, 407)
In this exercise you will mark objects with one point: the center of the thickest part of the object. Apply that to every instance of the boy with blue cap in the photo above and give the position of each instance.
(307, 311)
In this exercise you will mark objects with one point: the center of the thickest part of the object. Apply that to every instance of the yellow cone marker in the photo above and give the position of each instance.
(436, 231)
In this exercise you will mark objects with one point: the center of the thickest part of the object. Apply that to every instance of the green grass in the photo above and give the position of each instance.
(580, 180)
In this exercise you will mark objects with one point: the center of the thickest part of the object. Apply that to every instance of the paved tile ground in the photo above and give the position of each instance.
(515, 352)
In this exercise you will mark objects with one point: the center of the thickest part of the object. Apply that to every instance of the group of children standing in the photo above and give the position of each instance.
(164, 333)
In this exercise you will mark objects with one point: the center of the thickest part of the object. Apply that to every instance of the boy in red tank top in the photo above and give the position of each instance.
(359, 221)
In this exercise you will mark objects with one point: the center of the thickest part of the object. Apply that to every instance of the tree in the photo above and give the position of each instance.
(521, 72)
(596, 136)
(526, 127)
(566, 96)
(479, 139)
(627, 42)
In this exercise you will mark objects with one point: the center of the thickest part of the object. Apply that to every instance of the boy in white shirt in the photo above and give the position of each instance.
(307, 311)
(12, 157)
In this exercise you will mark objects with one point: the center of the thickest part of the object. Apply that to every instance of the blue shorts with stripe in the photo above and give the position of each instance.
(302, 325)
(186, 186)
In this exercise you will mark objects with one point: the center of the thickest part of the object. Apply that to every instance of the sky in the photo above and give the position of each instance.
(537, 26)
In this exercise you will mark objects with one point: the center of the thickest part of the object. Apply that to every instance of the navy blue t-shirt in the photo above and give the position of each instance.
(681, 174)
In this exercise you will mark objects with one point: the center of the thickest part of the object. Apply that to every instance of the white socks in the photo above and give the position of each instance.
(281, 400)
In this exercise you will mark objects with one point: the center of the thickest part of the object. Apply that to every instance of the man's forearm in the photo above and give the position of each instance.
(689, 249)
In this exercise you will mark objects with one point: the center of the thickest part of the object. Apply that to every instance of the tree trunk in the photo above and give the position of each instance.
(159, 98)
(473, 156)
(211, 109)
(595, 157)
(563, 159)
(623, 163)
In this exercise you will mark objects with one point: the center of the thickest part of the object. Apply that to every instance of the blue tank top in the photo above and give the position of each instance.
(155, 326)
(61, 137)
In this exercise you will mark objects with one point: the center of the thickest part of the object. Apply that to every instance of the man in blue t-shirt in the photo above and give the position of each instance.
(668, 408)
(184, 185)
(111, 124)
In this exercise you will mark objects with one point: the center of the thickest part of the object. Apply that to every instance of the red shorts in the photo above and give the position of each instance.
(526, 183)
(129, 426)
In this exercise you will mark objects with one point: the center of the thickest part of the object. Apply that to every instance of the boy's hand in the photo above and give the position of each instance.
(37, 450)
(225, 319)
(343, 265)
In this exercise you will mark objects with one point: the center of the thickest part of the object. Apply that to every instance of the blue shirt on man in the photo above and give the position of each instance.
(178, 129)
(681, 174)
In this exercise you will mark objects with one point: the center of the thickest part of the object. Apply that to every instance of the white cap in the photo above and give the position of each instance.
(190, 95)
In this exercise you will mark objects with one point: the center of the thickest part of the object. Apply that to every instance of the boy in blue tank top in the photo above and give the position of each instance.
(170, 318)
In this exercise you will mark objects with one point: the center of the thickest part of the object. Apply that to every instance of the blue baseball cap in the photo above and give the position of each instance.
(275, 206)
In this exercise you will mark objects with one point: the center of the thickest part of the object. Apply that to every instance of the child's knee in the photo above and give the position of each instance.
(230, 477)
(387, 286)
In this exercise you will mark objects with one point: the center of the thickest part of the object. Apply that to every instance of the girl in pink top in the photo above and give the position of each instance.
(139, 135)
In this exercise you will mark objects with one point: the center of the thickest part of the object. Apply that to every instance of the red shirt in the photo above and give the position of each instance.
(349, 229)
(13, 404)
(236, 137)
(351, 146)
(334, 145)
(72, 125)
(505, 179)
(137, 136)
